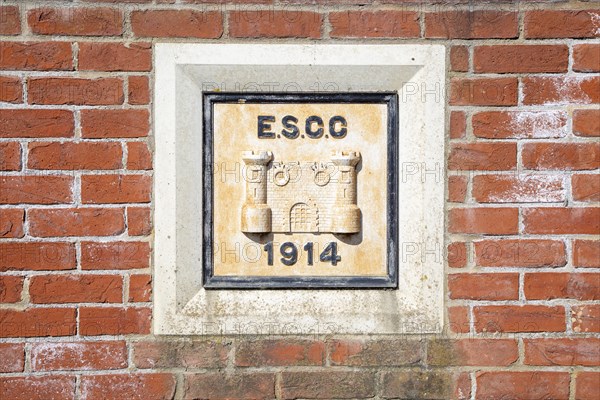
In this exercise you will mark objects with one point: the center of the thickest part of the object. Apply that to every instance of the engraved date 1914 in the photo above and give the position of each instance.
(289, 253)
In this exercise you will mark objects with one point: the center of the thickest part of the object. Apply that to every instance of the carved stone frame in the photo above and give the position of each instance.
(183, 72)
(313, 282)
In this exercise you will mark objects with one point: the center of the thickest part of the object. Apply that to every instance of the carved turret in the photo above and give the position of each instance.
(345, 213)
(256, 214)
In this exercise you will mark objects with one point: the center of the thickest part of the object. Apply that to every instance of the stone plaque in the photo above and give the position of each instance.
(212, 236)
(300, 190)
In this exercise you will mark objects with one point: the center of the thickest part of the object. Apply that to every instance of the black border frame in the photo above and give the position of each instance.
(305, 282)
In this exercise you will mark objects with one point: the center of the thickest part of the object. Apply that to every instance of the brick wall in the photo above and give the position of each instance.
(523, 216)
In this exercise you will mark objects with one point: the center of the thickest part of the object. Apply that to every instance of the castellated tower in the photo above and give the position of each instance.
(256, 214)
(345, 214)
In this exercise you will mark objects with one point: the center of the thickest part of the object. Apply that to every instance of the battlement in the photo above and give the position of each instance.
(345, 158)
(260, 157)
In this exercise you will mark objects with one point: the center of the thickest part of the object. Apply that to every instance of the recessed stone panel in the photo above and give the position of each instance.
(302, 190)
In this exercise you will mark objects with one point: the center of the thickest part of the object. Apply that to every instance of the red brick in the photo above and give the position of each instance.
(279, 353)
(274, 24)
(80, 21)
(327, 384)
(472, 352)
(74, 156)
(33, 322)
(76, 222)
(104, 56)
(375, 24)
(457, 255)
(586, 122)
(585, 318)
(76, 289)
(239, 2)
(115, 255)
(462, 386)
(181, 354)
(481, 24)
(11, 223)
(155, 386)
(555, 285)
(518, 189)
(520, 124)
(11, 89)
(375, 352)
(10, 290)
(82, 356)
(483, 92)
(126, 1)
(139, 90)
(561, 90)
(177, 23)
(568, 352)
(561, 156)
(10, 21)
(586, 187)
(520, 253)
(483, 286)
(483, 156)
(586, 253)
(520, 58)
(458, 319)
(36, 56)
(139, 221)
(51, 387)
(138, 156)
(490, 221)
(586, 57)
(586, 385)
(523, 385)
(10, 156)
(12, 356)
(562, 220)
(76, 91)
(35, 189)
(114, 320)
(104, 189)
(458, 124)
(99, 124)
(545, 24)
(529, 318)
(424, 384)
(15, 123)
(140, 288)
(32, 256)
(459, 58)
(457, 188)
(221, 386)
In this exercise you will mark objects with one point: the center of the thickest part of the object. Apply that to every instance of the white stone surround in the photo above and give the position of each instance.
(183, 71)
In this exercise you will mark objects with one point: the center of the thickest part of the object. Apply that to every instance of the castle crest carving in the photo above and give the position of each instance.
(294, 196)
